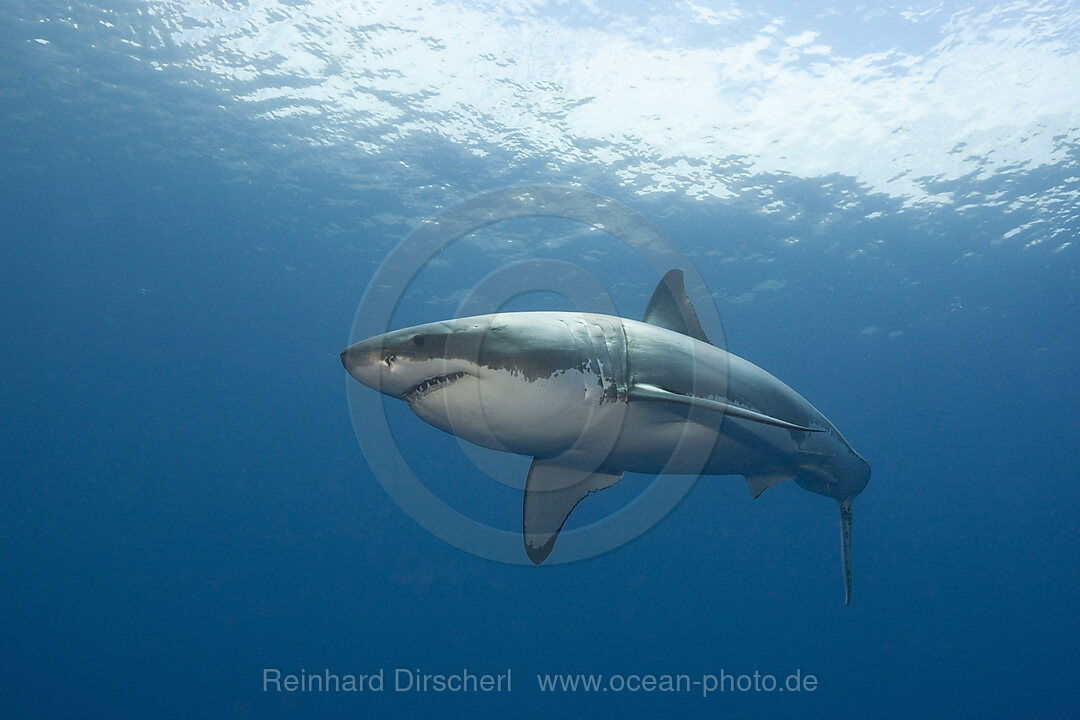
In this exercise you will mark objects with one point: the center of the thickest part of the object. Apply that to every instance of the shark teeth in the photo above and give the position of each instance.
(430, 385)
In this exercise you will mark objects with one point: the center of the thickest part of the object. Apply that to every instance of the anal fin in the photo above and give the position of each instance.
(551, 493)
(758, 484)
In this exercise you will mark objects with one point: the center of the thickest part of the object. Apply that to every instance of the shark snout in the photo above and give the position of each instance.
(364, 361)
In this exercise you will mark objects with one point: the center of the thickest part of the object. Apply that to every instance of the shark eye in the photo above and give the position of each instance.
(389, 359)
(418, 340)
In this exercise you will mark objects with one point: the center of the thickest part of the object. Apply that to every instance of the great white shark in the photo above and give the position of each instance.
(592, 396)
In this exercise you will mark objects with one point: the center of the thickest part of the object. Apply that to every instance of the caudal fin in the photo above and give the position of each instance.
(845, 539)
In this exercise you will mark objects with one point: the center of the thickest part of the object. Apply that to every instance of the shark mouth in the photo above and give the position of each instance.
(429, 386)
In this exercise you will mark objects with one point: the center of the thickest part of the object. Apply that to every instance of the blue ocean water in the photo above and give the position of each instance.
(194, 195)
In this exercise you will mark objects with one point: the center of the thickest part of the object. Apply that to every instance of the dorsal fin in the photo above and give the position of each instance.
(669, 307)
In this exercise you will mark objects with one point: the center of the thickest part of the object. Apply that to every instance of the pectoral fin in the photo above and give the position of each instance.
(551, 493)
(643, 391)
(758, 484)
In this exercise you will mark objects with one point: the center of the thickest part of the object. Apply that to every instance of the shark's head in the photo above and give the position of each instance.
(513, 382)
(409, 364)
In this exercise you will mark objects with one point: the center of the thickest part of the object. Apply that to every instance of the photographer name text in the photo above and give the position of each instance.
(382, 679)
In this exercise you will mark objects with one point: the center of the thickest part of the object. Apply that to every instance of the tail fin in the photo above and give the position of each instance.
(845, 539)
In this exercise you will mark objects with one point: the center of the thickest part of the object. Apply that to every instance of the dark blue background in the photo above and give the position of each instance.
(183, 502)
